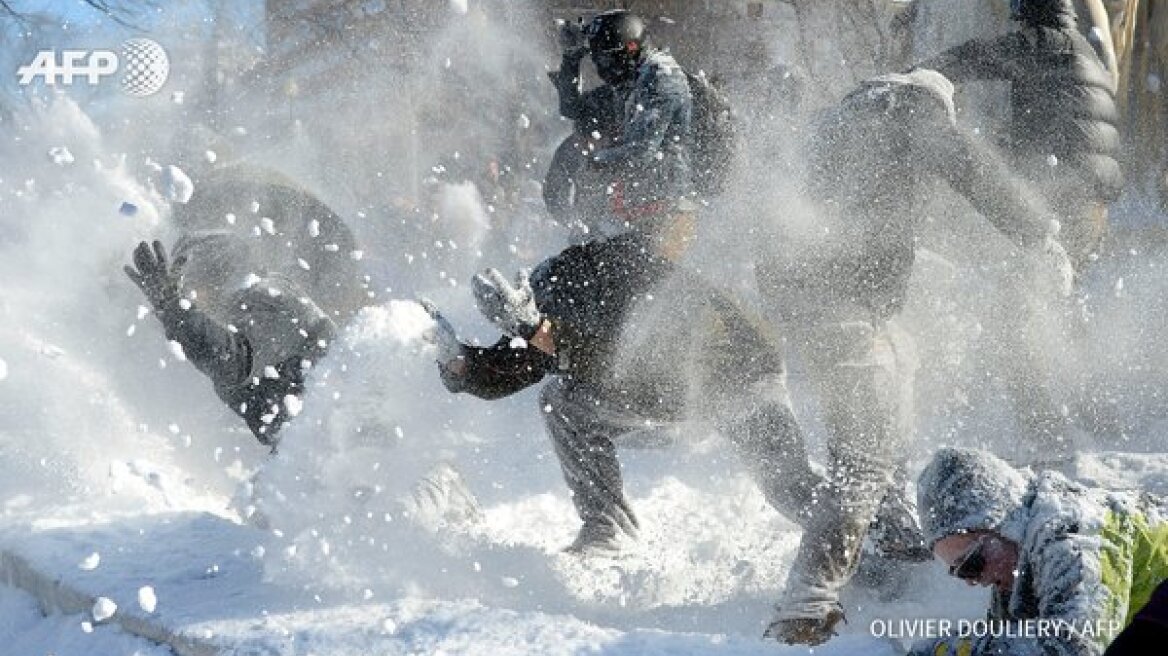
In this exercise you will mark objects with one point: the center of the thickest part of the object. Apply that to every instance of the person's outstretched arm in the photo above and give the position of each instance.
(490, 372)
(221, 354)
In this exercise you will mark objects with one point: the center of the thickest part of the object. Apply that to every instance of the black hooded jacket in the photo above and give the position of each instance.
(1063, 108)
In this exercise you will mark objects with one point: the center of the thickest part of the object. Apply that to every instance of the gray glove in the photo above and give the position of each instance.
(441, 335)
(511, 308)
(158, 281)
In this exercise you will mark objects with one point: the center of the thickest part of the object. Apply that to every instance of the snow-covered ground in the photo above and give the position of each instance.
(138, 515)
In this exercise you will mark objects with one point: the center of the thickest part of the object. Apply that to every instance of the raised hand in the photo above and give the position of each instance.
(510, 307)
(157, 279)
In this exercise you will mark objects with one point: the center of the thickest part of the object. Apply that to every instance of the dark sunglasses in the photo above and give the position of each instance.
(972, 563)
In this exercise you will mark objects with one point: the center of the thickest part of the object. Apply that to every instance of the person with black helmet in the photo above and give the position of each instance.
(644, 164)
(256, 343)
(1063, 140)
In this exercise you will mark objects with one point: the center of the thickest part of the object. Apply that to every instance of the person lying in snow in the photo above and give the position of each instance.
(1085, 559)
(260, 346)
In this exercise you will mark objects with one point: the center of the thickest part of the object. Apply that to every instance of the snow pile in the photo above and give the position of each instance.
(366, 463)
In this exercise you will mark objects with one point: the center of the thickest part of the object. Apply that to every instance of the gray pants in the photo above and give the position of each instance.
(586, 427)
(862, 372)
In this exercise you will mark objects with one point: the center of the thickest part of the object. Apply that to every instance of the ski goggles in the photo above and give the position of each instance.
(971, 563)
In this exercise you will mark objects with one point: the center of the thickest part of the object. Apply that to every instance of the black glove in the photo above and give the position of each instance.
(573, 43)
(150, 272)
(511, 308)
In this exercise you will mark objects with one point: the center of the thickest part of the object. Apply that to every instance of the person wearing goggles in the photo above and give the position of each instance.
(1081, 560)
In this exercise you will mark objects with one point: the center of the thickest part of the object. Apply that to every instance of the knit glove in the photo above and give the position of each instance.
(158, 280)
(510, 307)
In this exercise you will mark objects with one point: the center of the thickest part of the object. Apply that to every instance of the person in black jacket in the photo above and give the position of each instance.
(634, 345)
(267, 336)
(1062, 132)
(1062, 140)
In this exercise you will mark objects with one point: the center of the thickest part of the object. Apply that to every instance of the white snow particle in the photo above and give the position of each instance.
(87, 627)
(293, 405)
(211, 156)
(303, 264)
(357, 255)
(176, 350)
(251, 280)
(142, 312)
(147, 600)
(130, 331)
(270, 372)
(1052, 160)
(255, 207)
(389, 626)
(230, 218)
(184, 303)
(103, 609)
(510, 582)
(314, 228)
(332, 248)
(61, 156)
(90, 562)
(3, 369)
(268, 225)
(176, 185)
(458, 6)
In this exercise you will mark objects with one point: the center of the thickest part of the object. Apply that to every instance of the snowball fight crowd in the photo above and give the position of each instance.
(627, 336)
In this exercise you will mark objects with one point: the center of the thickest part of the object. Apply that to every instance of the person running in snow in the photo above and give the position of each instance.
(267, 337)
(836, 288)
(1085, 559)
(615, 325)
(1063, 139)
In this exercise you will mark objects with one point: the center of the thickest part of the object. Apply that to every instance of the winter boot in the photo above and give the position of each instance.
(895, 533)
(809, 631)
(597, 536)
